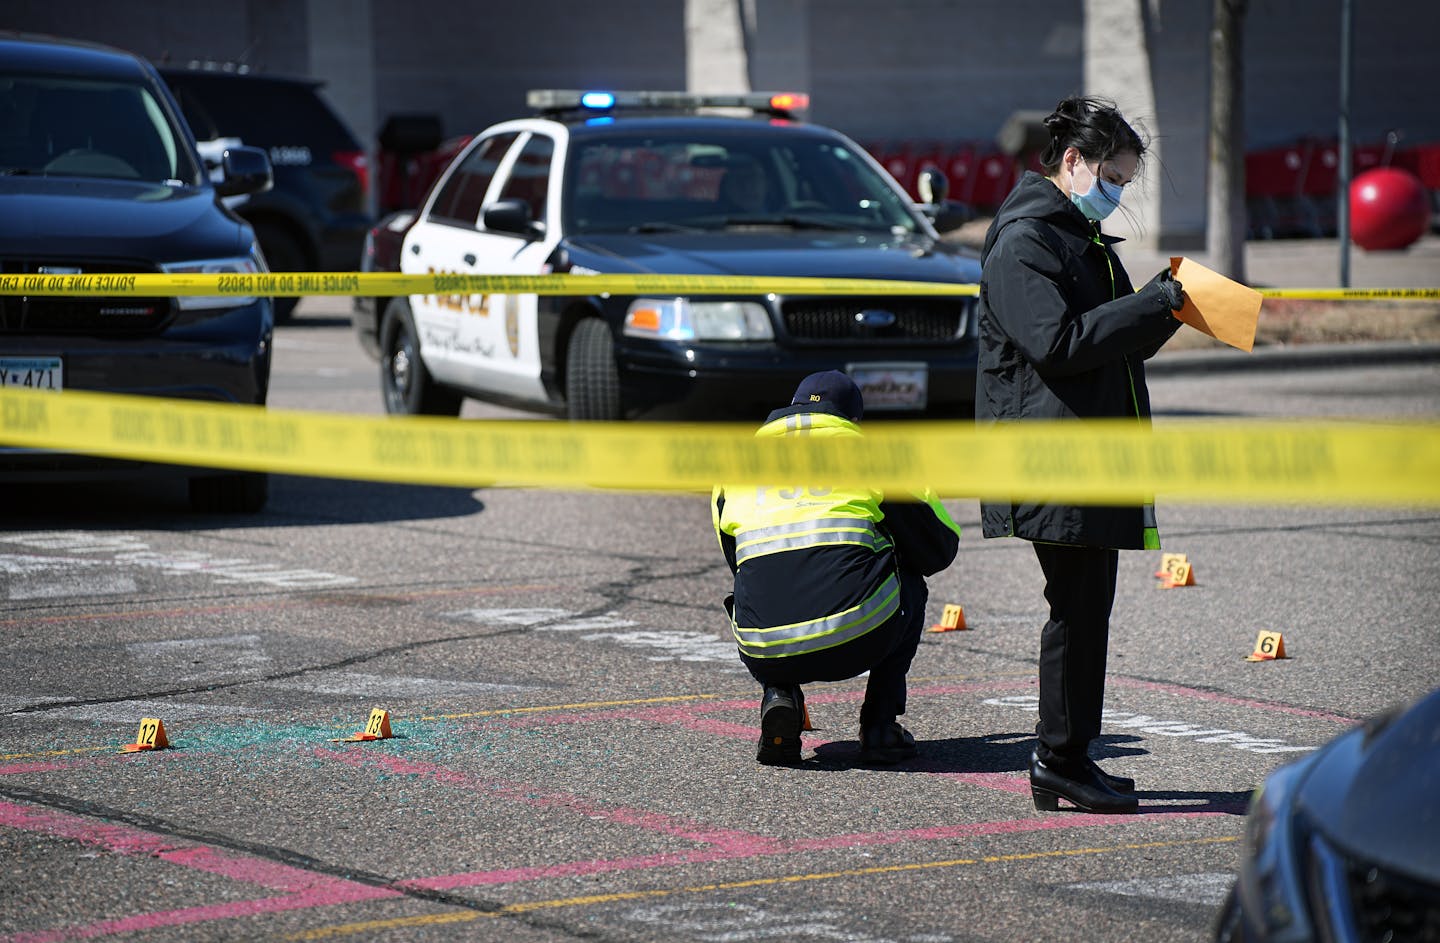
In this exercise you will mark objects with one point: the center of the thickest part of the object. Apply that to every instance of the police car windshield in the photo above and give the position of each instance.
(61, 126)
(678, 182)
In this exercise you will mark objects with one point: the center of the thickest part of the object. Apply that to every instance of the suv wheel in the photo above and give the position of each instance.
(592, 383)
(283, 253)
(244, 493)
(408, 388)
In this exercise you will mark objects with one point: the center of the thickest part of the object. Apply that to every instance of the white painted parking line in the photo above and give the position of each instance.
(355, 684)
(1208, 889)
(734, 922)
(662, 644)
(127, 551)
(130, 712)
(194, 659)
(1161, 727)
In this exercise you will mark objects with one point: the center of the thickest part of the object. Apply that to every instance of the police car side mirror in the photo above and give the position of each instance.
(512, 216)
(247, 170)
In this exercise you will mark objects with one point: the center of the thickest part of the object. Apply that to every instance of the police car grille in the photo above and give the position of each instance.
(75, 314)
(836, 320)
(1392, 907)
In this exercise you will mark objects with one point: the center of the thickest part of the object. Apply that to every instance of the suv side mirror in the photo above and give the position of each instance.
(512, 216)
(247, 170)
(933, 186)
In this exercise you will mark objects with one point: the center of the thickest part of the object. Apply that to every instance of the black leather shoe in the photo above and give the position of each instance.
(883, 744)
(780, 715)
(1120, 784)
(1081, 787)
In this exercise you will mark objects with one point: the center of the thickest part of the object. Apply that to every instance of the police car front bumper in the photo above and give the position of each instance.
(745, 381)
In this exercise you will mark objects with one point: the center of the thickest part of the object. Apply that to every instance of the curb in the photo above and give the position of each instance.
(1302, 356)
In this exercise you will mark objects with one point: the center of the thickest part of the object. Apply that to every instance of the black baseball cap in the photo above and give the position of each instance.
(833, 387)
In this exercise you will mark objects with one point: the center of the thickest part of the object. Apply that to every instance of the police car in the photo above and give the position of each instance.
(659, 183)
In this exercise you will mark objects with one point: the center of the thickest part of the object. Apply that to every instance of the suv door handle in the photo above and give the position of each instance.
(469, 258)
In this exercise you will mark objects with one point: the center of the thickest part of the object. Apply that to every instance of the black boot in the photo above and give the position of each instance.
(1120, 784)
(883, 744)
(780, 716)
(1080, 785)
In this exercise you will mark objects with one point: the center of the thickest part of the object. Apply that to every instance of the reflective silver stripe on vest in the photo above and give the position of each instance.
(758, 541)
(818, 634)
(800, 422)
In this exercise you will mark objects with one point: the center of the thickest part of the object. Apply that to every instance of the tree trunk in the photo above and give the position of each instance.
(1225, 232)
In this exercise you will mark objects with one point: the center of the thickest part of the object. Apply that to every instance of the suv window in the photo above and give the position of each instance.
(93, 128)
(461, 197)
(250, 109)
(712, 181)
(530, 175)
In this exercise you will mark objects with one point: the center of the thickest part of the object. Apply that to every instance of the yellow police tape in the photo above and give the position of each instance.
(1094, 462)
(388, 284)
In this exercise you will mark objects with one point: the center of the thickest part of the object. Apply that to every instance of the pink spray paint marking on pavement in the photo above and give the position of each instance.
(302, 889)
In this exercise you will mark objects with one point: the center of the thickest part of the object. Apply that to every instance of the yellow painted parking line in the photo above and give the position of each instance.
(371, 926)
(50, 753)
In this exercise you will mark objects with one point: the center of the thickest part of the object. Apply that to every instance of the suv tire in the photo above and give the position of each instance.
(404, 381)
(283, 253)
(592, 382)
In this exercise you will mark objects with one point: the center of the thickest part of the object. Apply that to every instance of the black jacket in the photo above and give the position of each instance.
(1063, 335)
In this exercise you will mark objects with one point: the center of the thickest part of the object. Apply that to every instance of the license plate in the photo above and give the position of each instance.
(34, 373)
(891, 386)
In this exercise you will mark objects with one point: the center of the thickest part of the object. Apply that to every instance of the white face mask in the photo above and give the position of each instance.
(1100, 197)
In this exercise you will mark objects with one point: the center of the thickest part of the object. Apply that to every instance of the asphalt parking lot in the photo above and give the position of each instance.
(573, 748)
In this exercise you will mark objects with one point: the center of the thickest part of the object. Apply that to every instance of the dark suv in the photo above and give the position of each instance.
(316, 216)
(99, 175)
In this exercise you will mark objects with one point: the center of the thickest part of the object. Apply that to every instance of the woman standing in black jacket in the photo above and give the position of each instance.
(1063, 335)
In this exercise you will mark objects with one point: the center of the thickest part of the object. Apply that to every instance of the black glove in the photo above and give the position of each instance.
(1170, 289)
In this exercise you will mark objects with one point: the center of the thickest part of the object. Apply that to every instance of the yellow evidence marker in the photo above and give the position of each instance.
(1167, 564)
(376, 728)
(1268, 647)
(151, 736)
(952, 619)
(1175, 570)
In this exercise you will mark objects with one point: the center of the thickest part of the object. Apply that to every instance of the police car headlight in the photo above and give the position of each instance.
(242, 265)
(681, 319)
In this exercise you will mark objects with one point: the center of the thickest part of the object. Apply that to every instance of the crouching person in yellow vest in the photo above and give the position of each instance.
(829, 582)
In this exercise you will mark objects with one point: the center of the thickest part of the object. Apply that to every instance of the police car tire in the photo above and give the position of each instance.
(592, 382)
(414, 394)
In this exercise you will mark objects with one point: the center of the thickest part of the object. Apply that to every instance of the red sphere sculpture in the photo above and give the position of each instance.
(1389, 209)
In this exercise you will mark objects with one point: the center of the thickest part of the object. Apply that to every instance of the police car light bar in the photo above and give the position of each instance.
(553, 100)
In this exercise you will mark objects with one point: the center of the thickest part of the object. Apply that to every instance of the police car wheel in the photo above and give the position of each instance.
(592, 383)
(406, 384)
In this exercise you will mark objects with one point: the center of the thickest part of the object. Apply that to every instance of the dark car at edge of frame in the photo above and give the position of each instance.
(99, 174)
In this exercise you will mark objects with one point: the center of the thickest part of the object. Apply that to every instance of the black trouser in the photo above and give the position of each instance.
(1080, 587)
(886, 652)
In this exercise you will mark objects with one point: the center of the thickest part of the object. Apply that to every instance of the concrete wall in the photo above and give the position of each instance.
(472, 63)
(903, 69)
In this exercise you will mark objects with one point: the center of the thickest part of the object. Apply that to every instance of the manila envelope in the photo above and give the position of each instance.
(1226, 310)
